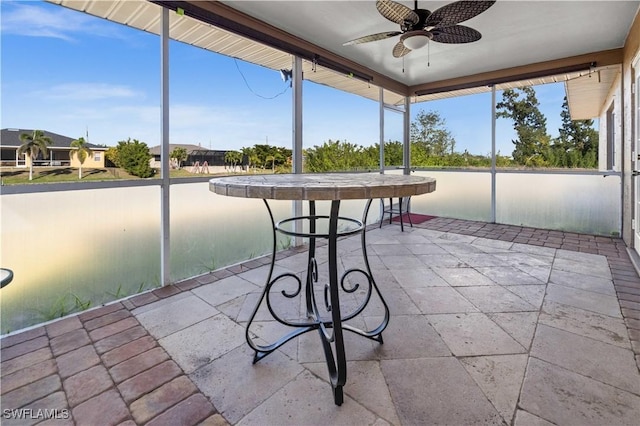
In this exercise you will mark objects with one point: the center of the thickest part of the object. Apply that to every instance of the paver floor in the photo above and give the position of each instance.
(490, 324)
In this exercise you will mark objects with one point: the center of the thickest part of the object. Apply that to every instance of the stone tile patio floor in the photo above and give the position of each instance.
(490, 324)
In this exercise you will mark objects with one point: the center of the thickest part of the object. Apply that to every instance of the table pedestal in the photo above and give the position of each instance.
(326, 318)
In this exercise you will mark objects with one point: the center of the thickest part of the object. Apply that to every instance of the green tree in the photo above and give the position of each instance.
(33, 144)
(82, 151)
(430, 136)
(251, 156)
(253, 160)
(273, 158)
(134, 157)
(271, 155)
(262, 151)
(393, 153)
(283, 160)
(338, 156)
(111, 157)
(522, 106)
(577, 143)
(234, 158)
(179, 154)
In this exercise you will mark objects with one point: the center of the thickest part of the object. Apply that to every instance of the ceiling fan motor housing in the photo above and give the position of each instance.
(423, 14)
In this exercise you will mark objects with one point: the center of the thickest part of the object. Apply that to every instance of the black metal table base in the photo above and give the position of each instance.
(391, 211)
(326, 318)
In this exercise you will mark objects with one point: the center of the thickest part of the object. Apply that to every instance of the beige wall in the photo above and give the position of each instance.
(623, 100)
(89, 162)
(95, 161)
(630, 51)
(614, 98)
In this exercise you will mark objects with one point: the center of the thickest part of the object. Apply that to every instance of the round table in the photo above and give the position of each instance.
(327, 319)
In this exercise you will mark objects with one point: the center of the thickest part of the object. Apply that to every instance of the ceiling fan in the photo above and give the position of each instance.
(418, 26)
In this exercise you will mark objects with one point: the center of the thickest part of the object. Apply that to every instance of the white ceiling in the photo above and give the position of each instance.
(514, 33)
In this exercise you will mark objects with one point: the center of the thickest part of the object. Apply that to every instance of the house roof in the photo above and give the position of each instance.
(10, 138)
(156, 150)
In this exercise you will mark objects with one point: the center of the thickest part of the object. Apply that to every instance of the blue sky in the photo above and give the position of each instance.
(68, 72)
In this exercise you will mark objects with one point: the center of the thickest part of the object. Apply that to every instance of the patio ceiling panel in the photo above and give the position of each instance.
(96, 8)
(188, 31)
(392, 98)
(560, 25)
(200, 35)
(587, 94)
(129, 12)
(147, 22)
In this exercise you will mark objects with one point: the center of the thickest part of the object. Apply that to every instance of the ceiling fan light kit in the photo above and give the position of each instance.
(419, 26)
(415, 40)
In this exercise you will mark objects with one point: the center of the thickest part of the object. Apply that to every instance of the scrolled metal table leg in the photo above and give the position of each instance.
(376, 333)
(312, 265)
(299, 327)
(336, 358)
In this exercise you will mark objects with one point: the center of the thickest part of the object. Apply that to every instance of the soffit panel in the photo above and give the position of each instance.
(586, 95)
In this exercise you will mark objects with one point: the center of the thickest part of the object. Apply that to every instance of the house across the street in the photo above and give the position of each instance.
(59, 152)
(197, 157)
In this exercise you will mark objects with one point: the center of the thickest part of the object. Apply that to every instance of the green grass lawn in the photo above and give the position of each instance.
(20, 175)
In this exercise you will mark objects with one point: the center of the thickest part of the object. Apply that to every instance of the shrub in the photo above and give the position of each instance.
(133, 156)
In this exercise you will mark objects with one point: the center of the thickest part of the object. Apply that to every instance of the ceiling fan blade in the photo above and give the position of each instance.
(456, 34)
(399, 50)
(372, 37)
(396, 12)
(456, 12)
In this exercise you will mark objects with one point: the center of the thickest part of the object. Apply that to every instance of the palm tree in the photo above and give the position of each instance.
(233, 157)
(273, 158)
(82, 151)
(179, 154)
(34, 144)
(254, 160)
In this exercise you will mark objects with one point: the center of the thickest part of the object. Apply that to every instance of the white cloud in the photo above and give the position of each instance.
(39, 20)
(88, 92)
(111, 120)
